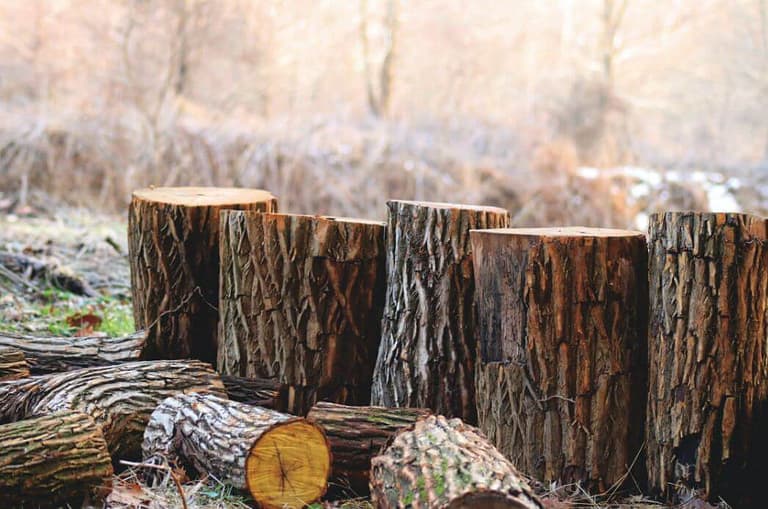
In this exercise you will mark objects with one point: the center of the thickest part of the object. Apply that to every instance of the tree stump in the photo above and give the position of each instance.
(120, 398)
(282, 460)
(53, 460)
(55, 354)
(427, 352)
(357, 434)
(301, 301)
(561, 377)
(440, 463)
(173, 244)
(707, 354)
(13, 365)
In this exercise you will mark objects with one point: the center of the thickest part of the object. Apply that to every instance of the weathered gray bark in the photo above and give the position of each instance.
(301, 302)
(173, 241)
(427, 352)
(357, 434)
(55, 354)
(120, 398)
(561, 375)
(53, 460)
(12, 364)
(707, 355)
(439, 463)
(279, 458)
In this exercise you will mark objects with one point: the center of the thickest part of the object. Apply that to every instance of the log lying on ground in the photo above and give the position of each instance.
(561, 376)
(427, 352)
(707, 354)
(13, 365)
(53, 460)
(282, 460)
(301, 301)
(56, 354)
(120, 398)
(51, 273)
(356, 435)
(256, 391)
(173, 241)
(441, 463)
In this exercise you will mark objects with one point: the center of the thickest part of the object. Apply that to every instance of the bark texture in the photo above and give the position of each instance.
(356, 435)
(260, 392)
(53, 460)
(13, 365)
(427, 352)
(120, 398)
(284, 461)
(173, 242)
(707, 354)
(55, 354)
(301, 301)
(562, 321)
(440, 463)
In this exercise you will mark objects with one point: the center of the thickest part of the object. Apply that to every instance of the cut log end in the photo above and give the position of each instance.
(451, 206)
(203, 196)
(289, 465)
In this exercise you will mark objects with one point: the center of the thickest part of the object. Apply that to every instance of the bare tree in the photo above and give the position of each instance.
(379, 98)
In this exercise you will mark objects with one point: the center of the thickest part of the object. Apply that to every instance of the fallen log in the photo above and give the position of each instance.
(708, 364)
(356, 435)
(260, 392)
(301, 301)
(561, 376)
(46, 354)
(13, 365)
(427, 354)
(51, 273)
(120, 398)
(173, 245)
(53, 460)
(440, 463)
(282, 460)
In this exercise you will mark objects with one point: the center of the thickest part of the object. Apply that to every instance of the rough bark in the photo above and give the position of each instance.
(427, 352)
(53, 460)
(120, 398)
(260, 392)
(173, 241)
(12, 364)
(55, 354)
(707, 354)
(440, 463)
(301, 301)
(282, 460)
(562, 326)
(356, 435)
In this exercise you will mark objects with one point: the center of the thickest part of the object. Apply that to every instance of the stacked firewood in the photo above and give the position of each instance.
(286, 353)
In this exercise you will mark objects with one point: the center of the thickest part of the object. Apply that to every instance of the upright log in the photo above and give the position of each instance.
(52, 354)
(561, 376)
(282, 460)
(13, 365)
(173, 244)
(707, 355)
(301, 301)
(53, 460)
(440, 463)
(427, 352)
(357, 434)
(120, 398)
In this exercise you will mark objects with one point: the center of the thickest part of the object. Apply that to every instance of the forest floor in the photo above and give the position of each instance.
(76, 281)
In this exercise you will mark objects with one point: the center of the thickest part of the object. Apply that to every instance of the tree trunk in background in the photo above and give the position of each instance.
(120, 398)
(173, 241)
(439, 463)
(427, 352)
(707, 354)
(12, 364)
(53, 460)
(562, 327)
(55, 354)
(301, 301)
(282, 460)
(357, 434)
